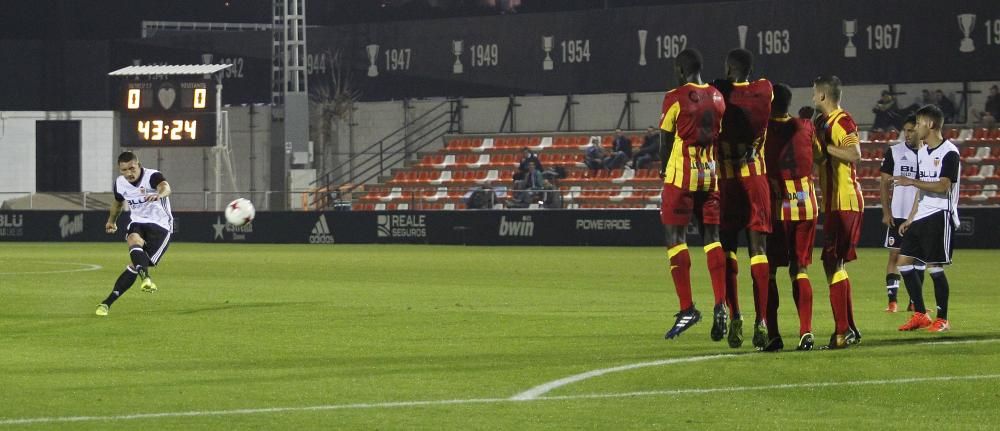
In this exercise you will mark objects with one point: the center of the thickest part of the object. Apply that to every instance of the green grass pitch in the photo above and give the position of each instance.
(441, 337)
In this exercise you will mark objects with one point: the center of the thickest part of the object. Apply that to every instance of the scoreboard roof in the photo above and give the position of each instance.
(179, 69)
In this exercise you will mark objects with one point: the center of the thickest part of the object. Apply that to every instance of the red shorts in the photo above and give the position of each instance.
(842, 230)
(678, 205)
(746, 204)
(791, 240)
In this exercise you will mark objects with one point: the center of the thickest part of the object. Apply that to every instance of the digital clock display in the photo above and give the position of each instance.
(168, 113)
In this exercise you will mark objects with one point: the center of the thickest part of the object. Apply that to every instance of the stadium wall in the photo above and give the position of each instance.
(18, 149)
(188, 169)
(509, 227)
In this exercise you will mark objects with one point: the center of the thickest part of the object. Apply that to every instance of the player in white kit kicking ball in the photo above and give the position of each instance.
(151, 223)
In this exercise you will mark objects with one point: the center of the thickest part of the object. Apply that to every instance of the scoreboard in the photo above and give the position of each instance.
(177, 112)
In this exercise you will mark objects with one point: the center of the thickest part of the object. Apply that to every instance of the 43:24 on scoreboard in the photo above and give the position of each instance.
(168, 113)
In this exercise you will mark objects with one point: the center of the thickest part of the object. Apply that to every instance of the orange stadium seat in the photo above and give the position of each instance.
(970, 171)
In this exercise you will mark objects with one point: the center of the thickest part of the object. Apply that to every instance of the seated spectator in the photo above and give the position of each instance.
(649, 151)
(807, 112)
(886, 112)
(595, 155)
(530, 183)
(551, 197)
(993, 102)
(480, 198)
(621, 151)
(946, 105)
(529, 158)
(925, 98)
(991, 112)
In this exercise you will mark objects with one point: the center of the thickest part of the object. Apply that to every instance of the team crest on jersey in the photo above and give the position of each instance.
(142, 190)
(937, 161)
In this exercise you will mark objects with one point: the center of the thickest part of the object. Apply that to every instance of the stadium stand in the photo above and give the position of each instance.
(441, 180)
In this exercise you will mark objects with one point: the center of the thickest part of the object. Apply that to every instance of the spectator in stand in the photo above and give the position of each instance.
(991, 112)
(530, 158)
(621, 151)
(925, 98)
(528, 185)
(946, 105)
(595, 155)
(649, 151)
(480, 198)
(993, 102)
(807, 112)
(886, 112)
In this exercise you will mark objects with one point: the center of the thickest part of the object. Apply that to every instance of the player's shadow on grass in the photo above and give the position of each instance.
(237, 305)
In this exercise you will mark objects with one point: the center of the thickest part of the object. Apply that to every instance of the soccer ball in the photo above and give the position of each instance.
(240, 212)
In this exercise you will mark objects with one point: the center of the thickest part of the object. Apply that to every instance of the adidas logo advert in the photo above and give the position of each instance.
(523, 228)
(321, 232)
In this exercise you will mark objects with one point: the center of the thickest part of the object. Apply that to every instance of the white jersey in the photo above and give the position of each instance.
(901, 161)
(943, 161)
(134, 196)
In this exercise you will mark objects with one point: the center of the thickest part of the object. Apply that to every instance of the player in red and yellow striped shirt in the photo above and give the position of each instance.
(743, 188)
(789, 159)
(837, 150)
(691, 120)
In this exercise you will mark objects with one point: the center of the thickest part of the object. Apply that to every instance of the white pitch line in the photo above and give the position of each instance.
(403, 404)
(86, 267)
(544, 388)
(773, 387)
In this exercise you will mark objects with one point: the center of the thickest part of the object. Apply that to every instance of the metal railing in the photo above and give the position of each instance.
(390, 151)
(179, 200)
(385, 197)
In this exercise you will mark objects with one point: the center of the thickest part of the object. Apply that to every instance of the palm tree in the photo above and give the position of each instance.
(331, 99)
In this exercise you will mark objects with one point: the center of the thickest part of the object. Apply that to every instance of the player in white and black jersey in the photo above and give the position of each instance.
(145, 191)
(929, 227)
(897, 201)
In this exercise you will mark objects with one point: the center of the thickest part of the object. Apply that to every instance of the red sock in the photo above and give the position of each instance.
(772, 308)
(804, 302)
(732, 275)
(760, 271)
(850, 303)
(680, 270)
(717, 270)
(838, 301)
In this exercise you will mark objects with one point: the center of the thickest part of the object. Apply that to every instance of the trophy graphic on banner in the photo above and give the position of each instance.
(456, 48)
(742, 30)
(642, 47)
(965, 23)
(372, 55)
(547, 46)
(850, 28)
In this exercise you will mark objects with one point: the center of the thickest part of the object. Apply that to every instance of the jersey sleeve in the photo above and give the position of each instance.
(949, 167)
(844, 133)
(156, 179)
(114, 189)
(671, 110)
(888, 164)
